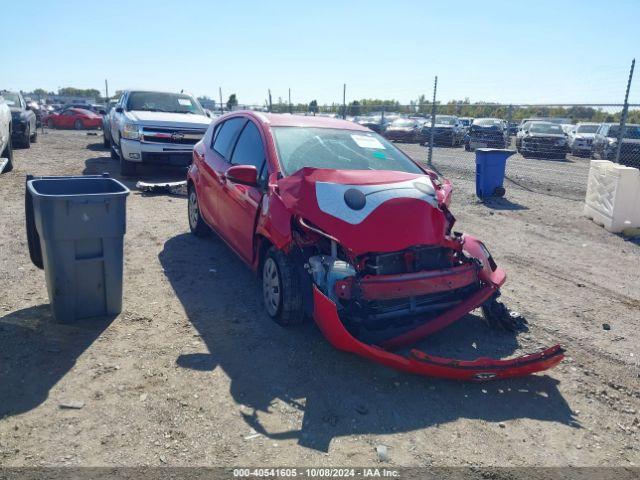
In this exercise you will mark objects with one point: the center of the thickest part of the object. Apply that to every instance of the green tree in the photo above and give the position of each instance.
(232, 102)
(79, 92)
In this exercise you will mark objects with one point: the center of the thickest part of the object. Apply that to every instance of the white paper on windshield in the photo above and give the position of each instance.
(367, 142)
(185, 102)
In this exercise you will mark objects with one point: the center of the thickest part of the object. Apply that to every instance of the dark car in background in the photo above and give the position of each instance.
(605, 143)
(24, 128)
(374, 122)
(486, 133)
(543, 139)
(447, 130)
(403, 130)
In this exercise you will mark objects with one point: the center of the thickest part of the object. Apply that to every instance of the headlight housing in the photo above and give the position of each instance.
(131, 131)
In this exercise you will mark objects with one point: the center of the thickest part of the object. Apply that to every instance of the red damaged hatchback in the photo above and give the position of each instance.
(345, 228)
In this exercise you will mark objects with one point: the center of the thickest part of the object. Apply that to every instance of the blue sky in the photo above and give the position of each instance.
(506, 51)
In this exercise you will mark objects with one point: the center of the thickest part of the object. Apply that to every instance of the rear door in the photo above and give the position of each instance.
(239, 203)
(214, 165)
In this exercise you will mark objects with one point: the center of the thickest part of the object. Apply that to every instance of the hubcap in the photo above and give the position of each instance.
(271, 289)
(193, 209)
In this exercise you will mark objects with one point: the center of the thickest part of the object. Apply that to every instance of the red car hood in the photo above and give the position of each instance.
(367, 210)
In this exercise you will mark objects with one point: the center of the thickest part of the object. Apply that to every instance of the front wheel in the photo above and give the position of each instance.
(26, 140)
(197, 224)
(127, 169)
(8, 154)
(281, 289)
(78, 125)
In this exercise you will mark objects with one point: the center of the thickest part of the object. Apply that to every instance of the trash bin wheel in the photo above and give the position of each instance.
(33, 239)
(499, 192)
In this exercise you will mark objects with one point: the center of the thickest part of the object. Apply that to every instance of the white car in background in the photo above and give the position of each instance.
(6, 151)
(581, 138)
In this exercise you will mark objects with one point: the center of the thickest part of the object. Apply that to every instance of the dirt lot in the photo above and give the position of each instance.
(194, 373)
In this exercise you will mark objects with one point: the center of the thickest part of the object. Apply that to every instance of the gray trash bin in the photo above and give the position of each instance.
(79, 225)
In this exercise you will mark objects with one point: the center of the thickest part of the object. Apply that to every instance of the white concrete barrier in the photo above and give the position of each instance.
(613, 196)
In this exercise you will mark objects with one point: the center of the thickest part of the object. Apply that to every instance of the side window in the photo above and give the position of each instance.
(249, 149)
(226, 136)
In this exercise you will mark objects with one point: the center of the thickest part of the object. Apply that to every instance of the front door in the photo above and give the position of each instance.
(239, 204)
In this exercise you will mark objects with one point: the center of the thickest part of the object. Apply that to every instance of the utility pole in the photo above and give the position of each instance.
(290, 101)
(625, 112)
(433, 120)
(509, 120)
(221, 104)
(106, 93)
(270, 104)
(344, 101)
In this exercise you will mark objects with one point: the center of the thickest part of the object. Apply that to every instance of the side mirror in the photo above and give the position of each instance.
(102, 112)
(119, 109)
(243, 174)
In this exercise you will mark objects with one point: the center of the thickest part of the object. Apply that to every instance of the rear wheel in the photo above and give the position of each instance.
(50, 123)
(197, 224)
(34, 136)
(78, 125)
(105, 141)
(281, 289)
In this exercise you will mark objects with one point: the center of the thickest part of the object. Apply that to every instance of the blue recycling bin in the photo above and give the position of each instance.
(490, 167)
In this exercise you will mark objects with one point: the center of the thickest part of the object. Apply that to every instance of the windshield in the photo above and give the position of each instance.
(163, 102)
(403, 122)
(443, 120)
(488, 122)
(549, 128)
(630, 131)
(588, 128)
(11, 99)
(338, 149)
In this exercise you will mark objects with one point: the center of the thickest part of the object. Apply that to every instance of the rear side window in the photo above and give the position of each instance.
(249, 149)
(226, 135)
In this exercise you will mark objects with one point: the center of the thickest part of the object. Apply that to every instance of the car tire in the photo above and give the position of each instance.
(78, 125)
(281, 289)
(50, 123)
(105, 141)
(113, 152)
(8, 153)
(467, 147)
(34, 137)
(197, 225)
(26, 139)
(127, 169)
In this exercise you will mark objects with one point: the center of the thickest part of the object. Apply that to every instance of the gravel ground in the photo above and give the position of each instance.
(194, 373)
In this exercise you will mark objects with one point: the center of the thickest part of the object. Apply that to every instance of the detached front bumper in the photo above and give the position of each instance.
(325, 312)
(417, 362)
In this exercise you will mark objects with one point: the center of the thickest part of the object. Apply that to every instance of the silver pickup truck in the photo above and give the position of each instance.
(158, 128)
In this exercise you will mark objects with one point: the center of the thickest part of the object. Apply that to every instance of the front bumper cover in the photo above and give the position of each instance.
(326, 316)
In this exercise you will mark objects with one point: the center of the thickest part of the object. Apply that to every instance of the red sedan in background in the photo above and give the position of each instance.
(77, 118)
(345, 228)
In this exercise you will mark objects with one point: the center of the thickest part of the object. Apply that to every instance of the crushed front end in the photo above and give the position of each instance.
(386, 270)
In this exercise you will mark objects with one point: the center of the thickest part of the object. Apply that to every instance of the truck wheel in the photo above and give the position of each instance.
(281, 289)
(197, 224)
(127, 169)
(8, 153)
